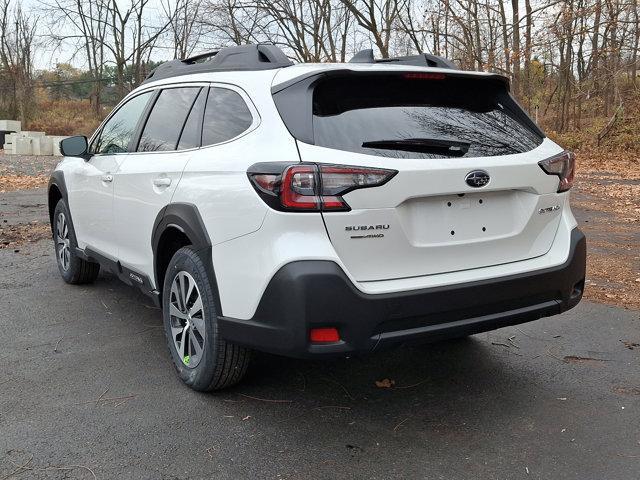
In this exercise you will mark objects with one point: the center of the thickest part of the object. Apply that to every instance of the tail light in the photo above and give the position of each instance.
(564, 166)
(311, 187)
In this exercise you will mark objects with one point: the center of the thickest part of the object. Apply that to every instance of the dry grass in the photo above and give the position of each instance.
(64, 117)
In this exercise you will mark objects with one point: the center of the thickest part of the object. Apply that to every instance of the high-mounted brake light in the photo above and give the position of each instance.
(311, 187)
(564, 166)
(424, 76)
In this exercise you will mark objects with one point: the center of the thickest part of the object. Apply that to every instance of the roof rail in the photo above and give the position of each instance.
(237, 58)
(421, 60)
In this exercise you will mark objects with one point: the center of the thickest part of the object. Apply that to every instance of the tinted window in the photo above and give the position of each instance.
(225, 117)
(192, 130)
(408, 117)
(119, 129)
(164, 125)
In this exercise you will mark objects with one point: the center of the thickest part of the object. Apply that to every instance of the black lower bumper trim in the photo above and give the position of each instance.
(309, 294)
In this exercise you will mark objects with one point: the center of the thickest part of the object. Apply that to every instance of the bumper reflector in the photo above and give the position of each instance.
(324, 335)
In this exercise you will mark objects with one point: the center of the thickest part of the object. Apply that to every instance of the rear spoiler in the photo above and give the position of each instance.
(325, 73)
(294, 98)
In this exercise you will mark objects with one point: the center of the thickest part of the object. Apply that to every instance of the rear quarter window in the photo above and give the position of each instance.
(225, 117)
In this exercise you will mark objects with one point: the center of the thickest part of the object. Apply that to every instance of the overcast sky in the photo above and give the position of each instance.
(47, 55)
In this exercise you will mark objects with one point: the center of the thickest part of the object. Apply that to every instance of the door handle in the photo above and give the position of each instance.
(107, 178)
(162, 182)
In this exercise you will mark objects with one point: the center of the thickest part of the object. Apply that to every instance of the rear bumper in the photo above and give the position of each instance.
(309, 294)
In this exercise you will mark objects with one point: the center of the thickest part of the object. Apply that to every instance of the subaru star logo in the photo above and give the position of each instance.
(477, 178)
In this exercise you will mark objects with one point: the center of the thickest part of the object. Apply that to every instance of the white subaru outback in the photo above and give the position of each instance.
(319, 210)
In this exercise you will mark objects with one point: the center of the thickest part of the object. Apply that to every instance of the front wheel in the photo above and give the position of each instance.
(203, 360)
(73, 269)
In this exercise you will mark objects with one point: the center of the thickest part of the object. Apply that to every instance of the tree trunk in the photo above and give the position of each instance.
(515, 6)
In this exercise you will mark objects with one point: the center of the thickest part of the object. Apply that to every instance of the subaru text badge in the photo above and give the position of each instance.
(477, 178)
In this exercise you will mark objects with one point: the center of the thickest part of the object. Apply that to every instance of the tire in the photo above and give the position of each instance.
(73, 269)
(204, 361)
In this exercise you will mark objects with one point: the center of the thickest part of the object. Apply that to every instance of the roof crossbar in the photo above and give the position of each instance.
(421, 60)
(237, 58)
(201, 56)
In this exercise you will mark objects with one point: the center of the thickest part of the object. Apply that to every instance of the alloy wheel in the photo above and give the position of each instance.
(62, 242)
(187, 319)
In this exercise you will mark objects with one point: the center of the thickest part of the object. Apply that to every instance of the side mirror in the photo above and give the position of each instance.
(74, 147)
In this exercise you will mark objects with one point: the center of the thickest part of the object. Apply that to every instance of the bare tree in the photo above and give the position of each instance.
(376, 17)
(231, 21)
(17, 43)
(132, 40)
(566, 56)
(83, 24)
(185, 26)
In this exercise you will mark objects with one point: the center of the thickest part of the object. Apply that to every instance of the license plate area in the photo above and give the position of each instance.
(464, 218)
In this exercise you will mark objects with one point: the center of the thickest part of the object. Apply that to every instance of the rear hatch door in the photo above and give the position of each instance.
(469, 192)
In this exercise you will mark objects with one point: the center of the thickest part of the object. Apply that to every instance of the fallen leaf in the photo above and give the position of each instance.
(385, 383)
(576, 359)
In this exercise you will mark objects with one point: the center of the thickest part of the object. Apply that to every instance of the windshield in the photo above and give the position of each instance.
(414, 116)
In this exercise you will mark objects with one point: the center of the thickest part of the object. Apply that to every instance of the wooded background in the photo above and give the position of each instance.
(573, 64)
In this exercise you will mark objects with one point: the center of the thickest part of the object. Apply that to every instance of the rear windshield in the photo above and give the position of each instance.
(418, 115)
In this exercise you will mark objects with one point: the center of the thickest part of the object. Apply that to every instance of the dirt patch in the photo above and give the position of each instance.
(626, 390)
(606, 201)
(10, 183)
(623, 164)
(13, 236)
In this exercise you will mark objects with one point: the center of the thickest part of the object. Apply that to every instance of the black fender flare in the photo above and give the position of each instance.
(56, 180)
(186, 218)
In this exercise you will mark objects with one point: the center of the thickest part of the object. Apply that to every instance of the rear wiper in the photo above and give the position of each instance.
(453, 148)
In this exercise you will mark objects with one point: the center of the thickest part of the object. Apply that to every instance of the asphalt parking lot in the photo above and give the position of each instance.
(87, 391)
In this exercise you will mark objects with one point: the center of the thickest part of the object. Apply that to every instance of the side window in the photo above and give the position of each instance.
(225, 117)
(192, 130)
(119, 129)
(168, 116)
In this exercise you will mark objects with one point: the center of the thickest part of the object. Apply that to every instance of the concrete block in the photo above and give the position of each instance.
(27, 133)
(10, 138)
(10, 125)
(23, 146)
(8, 149)
(42, 146)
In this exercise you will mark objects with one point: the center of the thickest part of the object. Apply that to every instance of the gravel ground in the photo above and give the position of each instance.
(32, 165)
